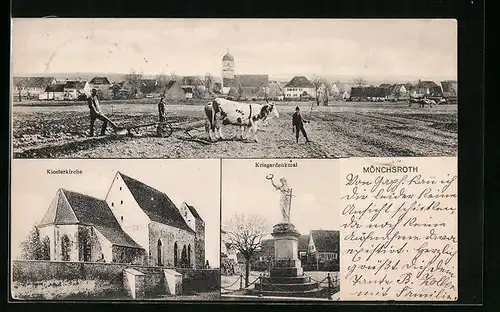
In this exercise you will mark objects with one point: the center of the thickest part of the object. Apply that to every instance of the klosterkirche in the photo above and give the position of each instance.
(134, 224)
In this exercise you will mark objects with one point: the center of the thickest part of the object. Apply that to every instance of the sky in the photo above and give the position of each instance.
(423, 48)
(195, 181)
(315, 186)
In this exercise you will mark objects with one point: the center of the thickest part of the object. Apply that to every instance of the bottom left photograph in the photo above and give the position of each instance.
(113, 229)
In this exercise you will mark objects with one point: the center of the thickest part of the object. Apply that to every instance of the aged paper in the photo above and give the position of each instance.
(399, 229)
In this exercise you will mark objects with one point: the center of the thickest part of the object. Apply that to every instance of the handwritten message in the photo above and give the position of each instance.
(399, 238)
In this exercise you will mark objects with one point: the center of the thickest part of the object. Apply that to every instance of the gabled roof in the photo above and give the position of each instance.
(326, 240)
(33, 82)
(251, 81)
(74, 84)
(157, 206)
(368, 92)
(100, 80)
(55, 88)
(171, 83)
(299, 82)
(303, 243)
(70, 207)
(194, 212)
(192, 81)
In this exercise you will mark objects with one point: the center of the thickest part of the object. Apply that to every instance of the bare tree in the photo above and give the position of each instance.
(359, 81)
(162, 81)
(174, 76)
(19, 83)
(133, 81)
(321, 94)
(245, 233)
(209, 80)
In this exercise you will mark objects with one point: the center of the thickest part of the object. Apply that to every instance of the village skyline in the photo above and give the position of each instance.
(380, 50)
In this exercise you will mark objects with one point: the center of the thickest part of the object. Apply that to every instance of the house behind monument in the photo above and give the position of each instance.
(134, 224)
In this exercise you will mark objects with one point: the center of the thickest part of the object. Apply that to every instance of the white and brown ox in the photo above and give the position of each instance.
(246, 115)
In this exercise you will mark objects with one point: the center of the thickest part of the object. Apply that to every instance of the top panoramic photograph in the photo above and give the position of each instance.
(233, 88)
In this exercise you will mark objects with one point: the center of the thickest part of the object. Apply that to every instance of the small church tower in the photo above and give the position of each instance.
(227, 70)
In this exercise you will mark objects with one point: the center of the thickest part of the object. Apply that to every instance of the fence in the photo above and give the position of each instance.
(330, 284)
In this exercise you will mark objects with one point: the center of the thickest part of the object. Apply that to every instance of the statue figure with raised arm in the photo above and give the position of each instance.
(285, 199)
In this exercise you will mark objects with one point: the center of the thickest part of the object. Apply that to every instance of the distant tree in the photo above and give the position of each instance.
(133, 81)
(32, 247)
(174, 76)
(321, 94)
(359, 81)
(245, 233)
(209, 80)
(162, 81)
(19, 83)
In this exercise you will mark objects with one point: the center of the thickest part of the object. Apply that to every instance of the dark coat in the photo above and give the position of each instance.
(298, 121)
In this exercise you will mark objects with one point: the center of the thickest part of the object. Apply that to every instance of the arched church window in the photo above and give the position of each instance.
(65, 246)
(160, 252)
(175, 254)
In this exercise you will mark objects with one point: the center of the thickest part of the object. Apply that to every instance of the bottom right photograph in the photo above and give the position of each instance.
(280, 230)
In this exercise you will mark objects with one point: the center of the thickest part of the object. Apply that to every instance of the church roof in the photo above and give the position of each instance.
(157, 205)
(251, 81)
(194, 212)
(69, 207)
(326, 240)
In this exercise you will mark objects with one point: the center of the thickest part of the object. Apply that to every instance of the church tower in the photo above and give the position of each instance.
(227, 69)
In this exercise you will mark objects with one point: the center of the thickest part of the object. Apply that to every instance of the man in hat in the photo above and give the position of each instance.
(298, 125)
(95, 113)
(161, 110)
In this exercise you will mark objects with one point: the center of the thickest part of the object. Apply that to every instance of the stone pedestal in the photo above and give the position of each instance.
(286, 277)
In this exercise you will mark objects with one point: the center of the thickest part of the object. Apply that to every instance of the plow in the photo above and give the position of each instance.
(153, 129)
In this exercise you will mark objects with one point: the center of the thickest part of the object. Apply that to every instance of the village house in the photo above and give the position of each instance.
(395, 92)
(175, 91)
(148, 88)
(299, 87)
(31, 87)
(374, 94)
(425, 88)
(135, 224)
(302, 247)
(276, 91)
(76, 89)
(193, 83)
(102, 84)
(250, 87)
(118, 90)
(53, 92)
(323, 246)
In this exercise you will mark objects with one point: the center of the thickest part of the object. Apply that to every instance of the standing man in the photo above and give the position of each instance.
(161, 110)
(298, 125)
(95, 113)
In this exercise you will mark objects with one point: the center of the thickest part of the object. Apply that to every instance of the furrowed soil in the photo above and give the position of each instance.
(342, 129)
